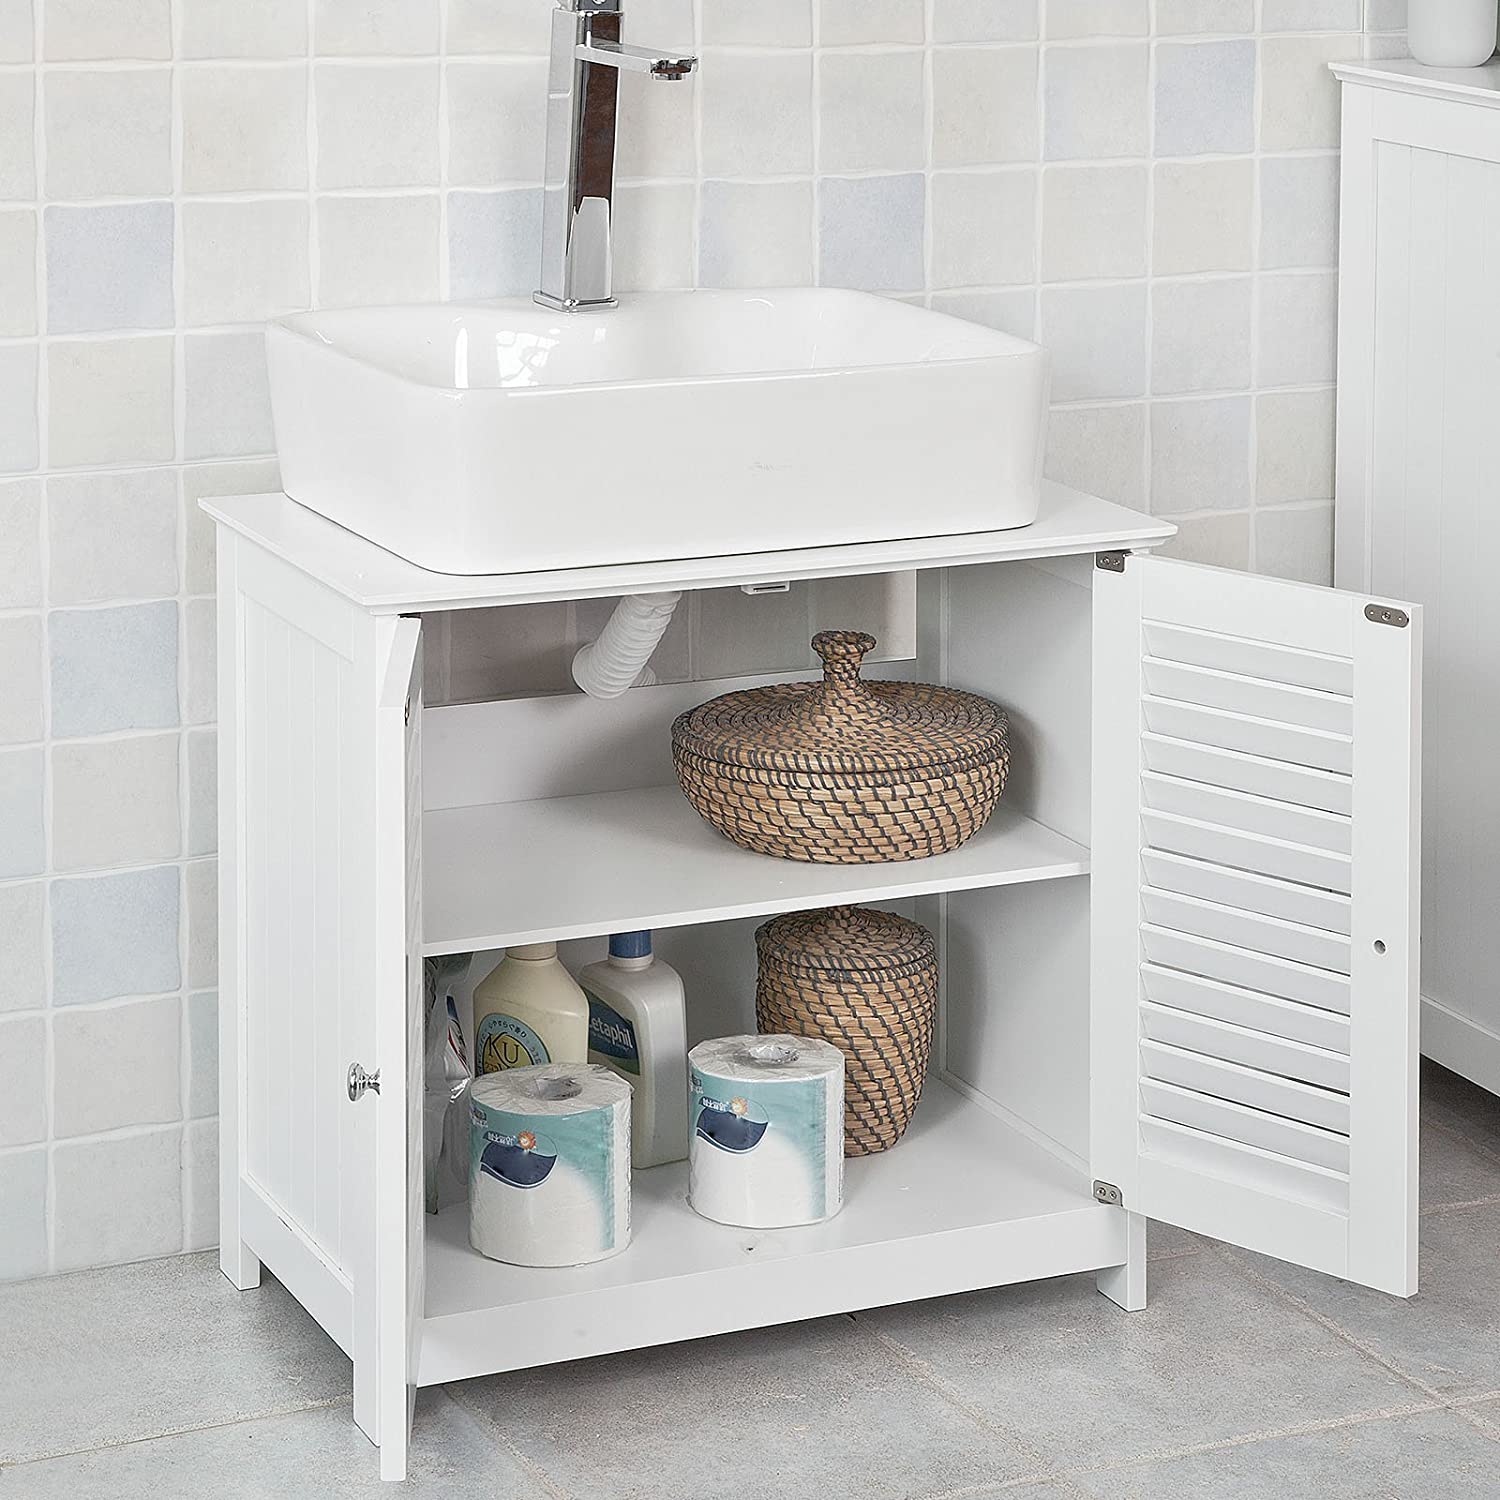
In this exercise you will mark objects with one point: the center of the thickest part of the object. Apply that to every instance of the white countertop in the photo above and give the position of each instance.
(1467, 85)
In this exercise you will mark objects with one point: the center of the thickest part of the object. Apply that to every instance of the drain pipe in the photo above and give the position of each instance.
(606, 668)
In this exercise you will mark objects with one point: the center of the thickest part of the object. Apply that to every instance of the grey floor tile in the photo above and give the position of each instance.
(318, 1453)
(1211, 1357)
(1460, 1105)
(1163, 1240)
(1429, 1456)
(1448, 1335)
(136, 1351)
(805, 1412)
(1455, 1170)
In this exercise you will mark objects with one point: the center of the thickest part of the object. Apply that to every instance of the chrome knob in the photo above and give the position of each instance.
(359, 1081)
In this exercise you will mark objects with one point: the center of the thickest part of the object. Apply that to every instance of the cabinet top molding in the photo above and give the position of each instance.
(381, 582)
(1479, 86)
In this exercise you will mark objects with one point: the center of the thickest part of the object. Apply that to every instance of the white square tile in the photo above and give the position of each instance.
(1009, 311)
(984, 106)
(497, 117)
(1194, 17)
(112, 536)
(1299, 97)
(203, 481)
(657, 134)
(769, 23)
(203, 788)
(17, 146)
(1200, 455)
(142, 1085)
(1200, 335)
(17, 272)
(378, 251)
(121, 30)
(109, 133)
(244, 128)
(983, 228)
(1299, 215)
(1098, 101)
(871, 232)
(228, 395)
(17, 31)
(872, 111)
(115, 802)
(1294, 446)
(203, 1054)
(23, 779)
(1385, 15)
(1217, 541)
(200, 1176)
(118, 1199)
(1203, 213)
(202, 876)
(1296, 543)
(21, 672)
(1081, 19)
(372, 28)
(494, 243)
(244, 261)
(1205, 98)
(1093, 222)
(395, 105)
(1100, 450)
(113, 668)
(109, 267)
(1311, 15)
(23, 920)
(115, 935)
(886, 21)
(1097, 336)
(110, 401)
(756, 234)
(757, 114)
(20, 543)
(230, 28)
(984, 20)
(18, 410)
(1298, 322)
(199, 686)
(507, 27)
(653, 246)
(23, 1081)
(23, 1227)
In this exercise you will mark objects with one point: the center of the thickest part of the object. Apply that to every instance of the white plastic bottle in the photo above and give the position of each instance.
(529, 1010)
(637, 1027)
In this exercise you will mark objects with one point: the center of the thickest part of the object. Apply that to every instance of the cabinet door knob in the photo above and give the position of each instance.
(359, 1081)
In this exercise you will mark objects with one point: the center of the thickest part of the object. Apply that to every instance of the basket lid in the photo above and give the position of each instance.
(844, 723)
(847, 938)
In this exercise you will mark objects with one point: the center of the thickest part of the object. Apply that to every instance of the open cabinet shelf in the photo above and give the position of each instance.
(964, 1201)
(563, 867)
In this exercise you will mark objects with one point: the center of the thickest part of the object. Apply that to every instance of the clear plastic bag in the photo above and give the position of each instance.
(446, 1079)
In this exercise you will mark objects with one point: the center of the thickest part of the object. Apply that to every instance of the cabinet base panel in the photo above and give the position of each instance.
(1461, 1044)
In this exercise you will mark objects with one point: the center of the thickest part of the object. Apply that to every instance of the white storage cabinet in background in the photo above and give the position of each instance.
(1418, 497)
(1179, 964)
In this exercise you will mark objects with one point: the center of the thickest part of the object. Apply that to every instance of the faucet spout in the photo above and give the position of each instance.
(583, 95)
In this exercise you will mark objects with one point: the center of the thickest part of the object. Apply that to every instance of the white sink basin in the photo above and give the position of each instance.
(501, 437)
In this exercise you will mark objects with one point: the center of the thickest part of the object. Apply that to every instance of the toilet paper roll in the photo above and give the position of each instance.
(549, 1164)
(767, 1149)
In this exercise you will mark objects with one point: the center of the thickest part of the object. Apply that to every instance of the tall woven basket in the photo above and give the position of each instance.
(866, 981)
(844, 771)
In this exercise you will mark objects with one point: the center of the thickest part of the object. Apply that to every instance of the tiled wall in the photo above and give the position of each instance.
(1149, 188)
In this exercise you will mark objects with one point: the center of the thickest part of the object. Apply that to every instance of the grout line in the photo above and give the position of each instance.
(481, 1414)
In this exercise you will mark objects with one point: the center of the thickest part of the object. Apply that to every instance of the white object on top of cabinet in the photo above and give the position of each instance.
(1418, 477)
(1205, 1017)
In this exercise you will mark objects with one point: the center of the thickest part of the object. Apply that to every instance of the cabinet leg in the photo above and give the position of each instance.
(240, 1264)
(1126, 1285)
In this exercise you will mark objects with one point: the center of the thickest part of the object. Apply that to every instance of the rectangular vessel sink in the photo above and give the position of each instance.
(502, 437)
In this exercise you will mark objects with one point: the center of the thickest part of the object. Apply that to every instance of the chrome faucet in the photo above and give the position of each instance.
(583, 95)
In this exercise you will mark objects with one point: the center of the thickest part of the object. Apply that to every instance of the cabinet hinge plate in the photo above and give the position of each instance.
(1107, 1192)
(1384, 614)
(1110, 562)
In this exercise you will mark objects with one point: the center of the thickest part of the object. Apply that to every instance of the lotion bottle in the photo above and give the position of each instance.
(529, 1010)
(637, 1027)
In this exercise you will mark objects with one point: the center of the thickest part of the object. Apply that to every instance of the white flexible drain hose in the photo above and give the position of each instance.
(617, 660)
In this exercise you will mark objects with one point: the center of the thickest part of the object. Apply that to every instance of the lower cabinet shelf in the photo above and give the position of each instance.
(964, 1201)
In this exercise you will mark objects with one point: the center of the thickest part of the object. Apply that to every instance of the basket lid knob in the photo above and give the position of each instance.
(842, 651)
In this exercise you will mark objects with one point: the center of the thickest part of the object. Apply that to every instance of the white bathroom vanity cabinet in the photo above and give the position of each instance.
(1179, 965)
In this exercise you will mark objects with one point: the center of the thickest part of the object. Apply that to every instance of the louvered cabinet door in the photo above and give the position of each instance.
(1254, 966)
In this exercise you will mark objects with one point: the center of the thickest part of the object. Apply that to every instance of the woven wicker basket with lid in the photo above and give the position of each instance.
(844, 771)
(866, 981)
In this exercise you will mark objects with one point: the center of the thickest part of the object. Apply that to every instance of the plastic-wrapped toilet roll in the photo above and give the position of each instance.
(549, 1164)
(767, 1148)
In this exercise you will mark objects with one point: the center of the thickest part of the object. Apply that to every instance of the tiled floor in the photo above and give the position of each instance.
(1244, 1378)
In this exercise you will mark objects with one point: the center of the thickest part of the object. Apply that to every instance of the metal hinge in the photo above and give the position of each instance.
(1107, 1192)
(359, 1081)
(1110, 562)
(1383, 614)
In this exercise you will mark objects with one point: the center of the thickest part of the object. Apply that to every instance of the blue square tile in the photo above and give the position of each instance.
(23, 837)
(109, 267)
(114, 668)
(494, 244)
(115, 935)
(1205, 97)
(872, 231)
